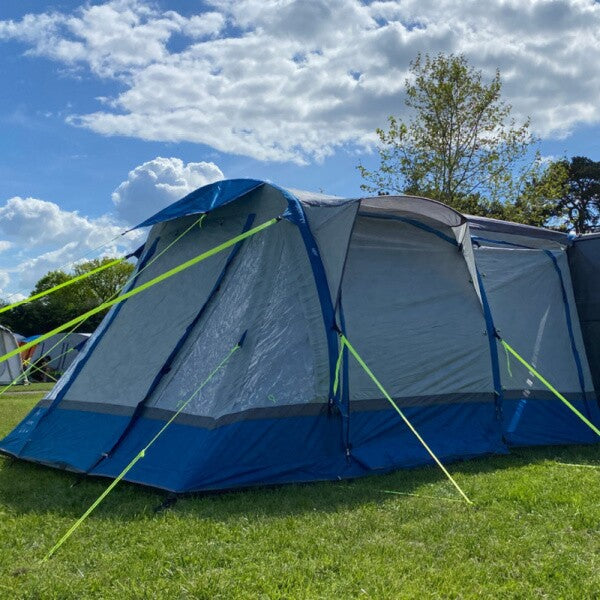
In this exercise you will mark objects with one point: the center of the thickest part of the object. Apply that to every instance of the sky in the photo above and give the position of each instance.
(111, 110)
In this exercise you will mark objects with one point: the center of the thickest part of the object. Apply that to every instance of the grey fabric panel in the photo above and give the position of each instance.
(135, 346)
(9, 369)
(584, 259)
(463, 236)
(412, 314)
(331, 227)
(525, 298)
(270, 292)
(591, 330)
(483, 226)
(412, 206)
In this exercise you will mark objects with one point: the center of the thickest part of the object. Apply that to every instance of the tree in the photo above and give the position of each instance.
(579, 206)
(67, 303)
(107, 283)
(461, 145)
(537, 202)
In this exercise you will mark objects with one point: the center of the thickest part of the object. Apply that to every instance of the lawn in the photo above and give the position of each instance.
(30, 387)
(533, 533)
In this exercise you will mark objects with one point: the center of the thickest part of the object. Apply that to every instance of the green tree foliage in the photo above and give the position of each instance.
(55, 309)
(536, 204)
(578, 208)
(461, 145)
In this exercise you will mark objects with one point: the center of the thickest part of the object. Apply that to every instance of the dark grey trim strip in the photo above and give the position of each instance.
(267, 412)
(97, 407)
(161, 414)
(430, 400)
(548, 395)
(311, 409)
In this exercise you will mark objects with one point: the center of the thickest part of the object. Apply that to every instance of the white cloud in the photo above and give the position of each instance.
(295, 80)
(113, 38)
(37, 236)
(43, 237)
(37, 222)
(158, 183)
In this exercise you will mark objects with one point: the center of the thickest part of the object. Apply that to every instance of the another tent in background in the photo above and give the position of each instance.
(584, 258)
(11, 369)
(26, 355)
(396, 276)
(60, 350)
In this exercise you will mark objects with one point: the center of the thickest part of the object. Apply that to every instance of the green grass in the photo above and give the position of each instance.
(532, 534)
(31, 387)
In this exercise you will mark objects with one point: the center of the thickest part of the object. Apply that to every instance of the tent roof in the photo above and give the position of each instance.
(223, 192)
(220, 193)
(586, 237)
(481, 224)
(415, 205)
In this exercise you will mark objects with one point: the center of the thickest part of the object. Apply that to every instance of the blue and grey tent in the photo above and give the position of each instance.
(59, 350)
(398, 276)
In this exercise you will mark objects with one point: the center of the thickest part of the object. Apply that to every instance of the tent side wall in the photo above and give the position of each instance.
(584, 260)
(412, 312)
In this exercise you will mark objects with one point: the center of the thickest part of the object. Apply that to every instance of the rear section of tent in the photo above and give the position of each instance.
(526, 277)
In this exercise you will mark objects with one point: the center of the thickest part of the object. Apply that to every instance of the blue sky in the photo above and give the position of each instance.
(111, 109)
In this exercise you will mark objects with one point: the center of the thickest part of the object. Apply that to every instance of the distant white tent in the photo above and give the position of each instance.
(60, 349)
(12, 368)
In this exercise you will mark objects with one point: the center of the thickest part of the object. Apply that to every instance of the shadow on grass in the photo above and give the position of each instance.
(29, 488)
